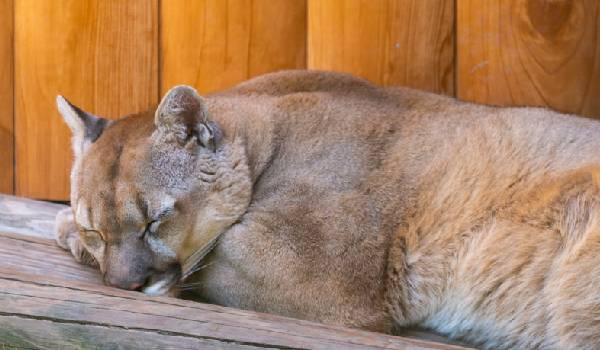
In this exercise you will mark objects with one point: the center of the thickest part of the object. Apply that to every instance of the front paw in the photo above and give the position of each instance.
(67, 237)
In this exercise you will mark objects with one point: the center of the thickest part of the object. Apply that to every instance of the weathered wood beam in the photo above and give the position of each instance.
(24, 333)
(74, 313)
(28, 217)
(38, 256)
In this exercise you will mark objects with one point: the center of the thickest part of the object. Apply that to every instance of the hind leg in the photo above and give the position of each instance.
(573, 294)
(522, 287)
(573, 284)
(527, 277)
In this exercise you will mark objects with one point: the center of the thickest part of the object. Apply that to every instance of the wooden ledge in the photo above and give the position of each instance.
(47, 300)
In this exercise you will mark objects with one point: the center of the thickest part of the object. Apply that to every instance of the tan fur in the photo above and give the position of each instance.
(345, 203)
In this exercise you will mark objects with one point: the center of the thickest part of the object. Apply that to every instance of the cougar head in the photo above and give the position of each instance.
(150, 191)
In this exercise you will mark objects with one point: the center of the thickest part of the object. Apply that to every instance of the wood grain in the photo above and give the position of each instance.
(530, 52)
(28, 217)
(20, 332)
(39, 257)
(390, 42)
(102, 55)
(25, 298)
(6, 97)
(213, 44)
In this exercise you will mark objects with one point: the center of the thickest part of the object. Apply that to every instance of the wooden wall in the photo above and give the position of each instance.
(102, 55)
(6, 97)
(407, 42)
(114, 57)
(216, 44)
(535, 52)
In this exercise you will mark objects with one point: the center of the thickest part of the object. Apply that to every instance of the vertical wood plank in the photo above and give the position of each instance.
(6, 97)
(530, 52)
(390, 42)
(101, 54)
(214, 44)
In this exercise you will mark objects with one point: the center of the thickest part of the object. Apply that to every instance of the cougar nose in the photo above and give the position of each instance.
(124, 284)
(135, 286)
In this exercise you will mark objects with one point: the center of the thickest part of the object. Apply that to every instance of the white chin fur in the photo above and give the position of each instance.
(158, 288)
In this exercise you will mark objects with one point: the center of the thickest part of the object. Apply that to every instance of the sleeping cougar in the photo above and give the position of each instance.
(329, 199)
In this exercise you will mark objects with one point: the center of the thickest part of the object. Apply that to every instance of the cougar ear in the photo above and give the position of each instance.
(182, 116)
(86, 128)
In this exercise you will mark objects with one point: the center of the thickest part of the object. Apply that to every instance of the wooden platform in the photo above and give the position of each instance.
(48, 301)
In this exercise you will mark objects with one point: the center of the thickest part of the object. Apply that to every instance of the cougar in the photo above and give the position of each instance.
(323, 197)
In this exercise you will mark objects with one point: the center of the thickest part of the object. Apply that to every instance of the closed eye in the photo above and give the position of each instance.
(150, 228)
(92, 239)
(89, 232)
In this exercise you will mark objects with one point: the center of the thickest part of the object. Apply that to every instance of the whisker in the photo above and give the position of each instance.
(191, 284)
(189, 287)
(200, 267)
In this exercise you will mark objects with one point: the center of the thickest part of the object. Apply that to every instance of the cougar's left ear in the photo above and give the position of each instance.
(85, 127)
(182, 116)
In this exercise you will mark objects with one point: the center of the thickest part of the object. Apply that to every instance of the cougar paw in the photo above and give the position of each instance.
(67, 237)
(64, 228)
